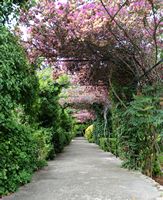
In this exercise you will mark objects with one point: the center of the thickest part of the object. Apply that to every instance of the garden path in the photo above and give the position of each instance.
(84, 172)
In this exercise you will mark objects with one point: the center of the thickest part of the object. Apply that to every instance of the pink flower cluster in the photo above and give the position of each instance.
(84, 115)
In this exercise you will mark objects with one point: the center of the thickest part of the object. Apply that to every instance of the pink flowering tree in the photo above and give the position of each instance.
(100, 43)
(96, 38)
(82, 98)
(84, 115)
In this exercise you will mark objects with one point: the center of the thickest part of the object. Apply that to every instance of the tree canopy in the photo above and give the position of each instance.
(95, 39)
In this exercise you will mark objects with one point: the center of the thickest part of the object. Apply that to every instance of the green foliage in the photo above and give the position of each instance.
(99, 124)
(134, 133)
(108, 144)
(98, 130)
(104, 138)
(17, 152)
(33, 126)
(10, 9)
(23, 149)
(18, 89)
(113, 146)
(63, 80)
(160, 157)
(42, 138)
(18, 82)
(51, 114)
(67, 124)
(103, 143)
(79, 129)
(138, 130)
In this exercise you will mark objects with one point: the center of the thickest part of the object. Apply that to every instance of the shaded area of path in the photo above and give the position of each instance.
(84, 172)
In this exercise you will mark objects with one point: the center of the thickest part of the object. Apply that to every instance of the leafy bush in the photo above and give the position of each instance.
(22, 150)
(33, 126)
(112, 146)
(67, 124)
(64, 133)
(79, 129)
(89, 133)
(18, 82)
(102, 127)
(160, 157)
(59, 140)
(135, 134)
(108, 144)
(42, 138)
(18, 86)
(51, 114)
(18, 157)
(138, 132)
(103, 143)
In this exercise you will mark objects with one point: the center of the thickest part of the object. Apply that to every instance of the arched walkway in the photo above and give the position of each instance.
(84, 172)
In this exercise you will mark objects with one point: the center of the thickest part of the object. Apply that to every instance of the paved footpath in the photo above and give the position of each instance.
(84, 172)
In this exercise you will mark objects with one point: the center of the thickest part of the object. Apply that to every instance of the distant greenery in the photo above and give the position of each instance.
(80, 128)
(161, 159)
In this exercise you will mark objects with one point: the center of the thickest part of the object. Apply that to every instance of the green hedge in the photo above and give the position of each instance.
(33, 126)
(18, 156)
(51, 114)
(138, 131)
(108, 144)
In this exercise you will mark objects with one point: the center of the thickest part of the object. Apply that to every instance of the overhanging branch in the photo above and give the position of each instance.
(83, 60)
(150, 69)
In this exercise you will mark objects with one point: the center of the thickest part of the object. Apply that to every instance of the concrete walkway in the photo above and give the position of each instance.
(84, 172)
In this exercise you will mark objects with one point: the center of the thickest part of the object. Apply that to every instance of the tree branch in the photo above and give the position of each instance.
(150, 69)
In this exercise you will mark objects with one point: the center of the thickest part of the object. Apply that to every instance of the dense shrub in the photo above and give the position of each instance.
(135, 134)
(18, 88)
(67, 124)
(22, 150)
(80, 128)
(18, 83)
(102, 127)
(138, 129)
(103, 143)
(89, 133)
(33, 126)
(51, 114)
(17, 153)
(44, 149)
(108, 144)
